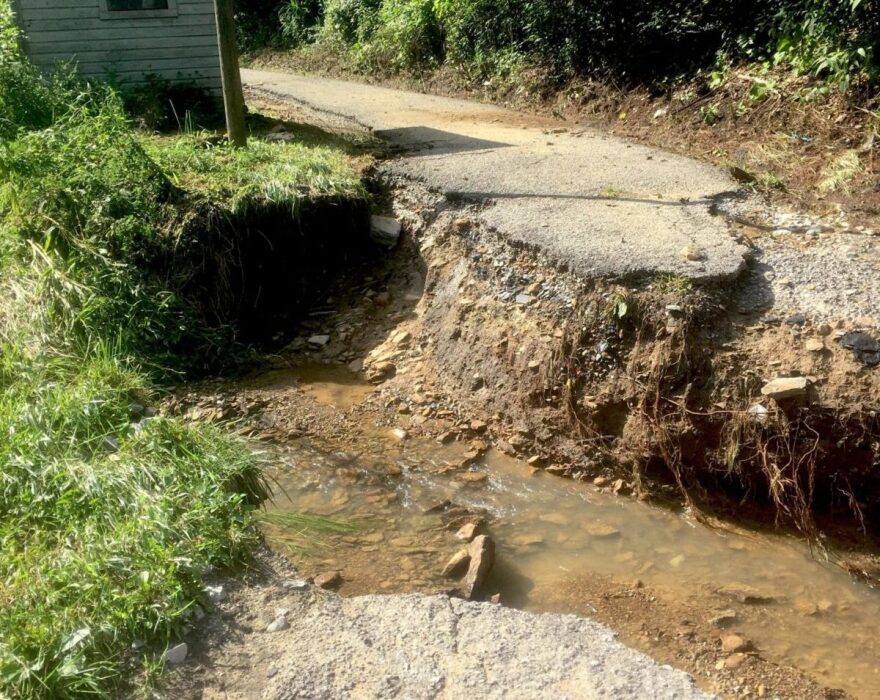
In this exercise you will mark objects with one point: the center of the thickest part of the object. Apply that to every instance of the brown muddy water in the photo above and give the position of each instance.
(550, 532)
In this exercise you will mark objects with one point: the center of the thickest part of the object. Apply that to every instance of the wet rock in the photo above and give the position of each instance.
(620, 487)
(176, 654)
(319, 341)
(723, 618)
(468, 531)
(385, 231)
(482, 552)
(863, 346)
(555, 519)
(279, 624)
(446, 438)
(600, 481)
(328, 580)
(473, 477)
(745, 594)
(786, 388)
(601, 530)
(733, 643)
(457, 564)
(438, 507)
(527, 540)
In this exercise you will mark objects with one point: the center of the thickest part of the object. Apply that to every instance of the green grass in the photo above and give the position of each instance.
(109, 522)
(264, 173)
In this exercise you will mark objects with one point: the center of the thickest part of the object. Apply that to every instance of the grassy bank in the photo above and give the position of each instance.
(784, 91)
(111, 515)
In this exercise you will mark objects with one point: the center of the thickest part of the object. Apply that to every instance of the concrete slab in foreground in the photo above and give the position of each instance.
(603, 206)
(435, 647)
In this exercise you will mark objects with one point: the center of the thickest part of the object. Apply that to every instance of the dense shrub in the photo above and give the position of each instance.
(638, 41)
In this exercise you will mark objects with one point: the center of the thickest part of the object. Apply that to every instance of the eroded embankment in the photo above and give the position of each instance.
(260, 267)
(649, 382)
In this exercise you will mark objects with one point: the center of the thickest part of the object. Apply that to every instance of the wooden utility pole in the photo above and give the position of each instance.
(233, 98)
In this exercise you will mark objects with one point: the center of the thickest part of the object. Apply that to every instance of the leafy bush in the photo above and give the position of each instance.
(299, 20)
(408, 37)
(640, 41)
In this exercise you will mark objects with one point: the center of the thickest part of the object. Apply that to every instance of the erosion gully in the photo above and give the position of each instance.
(797, 608)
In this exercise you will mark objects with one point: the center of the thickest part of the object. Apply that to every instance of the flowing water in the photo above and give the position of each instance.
(551, 532)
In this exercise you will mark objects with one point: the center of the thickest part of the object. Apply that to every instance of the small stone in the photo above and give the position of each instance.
(456, 564)
(786, 388)
(279, 624)
(176, 654)
(445, 438)
(601, 530)
(535, 461)
(468, 531)
(796, 320)
(319, 341)
(400, 434)
(823, 330)
(744, 593)
(328, 580)
(815, 345)
(523, 299)
(693, 253)
(473, 477)
(724, 618)
(385, 231)
(216, 594)
(295, 585)
(733, 643)
(382, 299)
(600, 481)
(733, 661)
(482, 552)
(478, 426)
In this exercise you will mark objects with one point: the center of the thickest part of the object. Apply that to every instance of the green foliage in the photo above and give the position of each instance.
(299, 20)
(408, 37)
(643, 41)
(108, 519)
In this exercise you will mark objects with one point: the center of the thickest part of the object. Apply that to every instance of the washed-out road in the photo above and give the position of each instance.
(598, 204)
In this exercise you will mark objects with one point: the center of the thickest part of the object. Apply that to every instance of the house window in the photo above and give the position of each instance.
(135, 9)
(134, 5)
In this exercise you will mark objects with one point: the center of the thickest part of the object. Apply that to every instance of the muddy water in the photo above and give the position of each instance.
(551, 532)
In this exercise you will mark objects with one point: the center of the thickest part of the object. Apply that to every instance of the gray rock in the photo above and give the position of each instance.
(523, 299)
(176, 654)
(385, 231)
(296, 585)
(319, 341)
(863, 346)
(279, 624)
(786, 388)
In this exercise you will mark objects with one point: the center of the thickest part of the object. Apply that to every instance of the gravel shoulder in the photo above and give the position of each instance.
(406, 646)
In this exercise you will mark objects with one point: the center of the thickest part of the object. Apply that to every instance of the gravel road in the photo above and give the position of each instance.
(599, 204)
(415, 646)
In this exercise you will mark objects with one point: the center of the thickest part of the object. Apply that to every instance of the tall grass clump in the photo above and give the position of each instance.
(110, 515)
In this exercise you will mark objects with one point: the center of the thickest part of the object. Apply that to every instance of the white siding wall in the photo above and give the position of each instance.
(178, 49)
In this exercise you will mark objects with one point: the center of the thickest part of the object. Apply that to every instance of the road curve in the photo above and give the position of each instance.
(601, 205)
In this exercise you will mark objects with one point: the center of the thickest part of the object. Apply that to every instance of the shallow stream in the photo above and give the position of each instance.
(551, 532)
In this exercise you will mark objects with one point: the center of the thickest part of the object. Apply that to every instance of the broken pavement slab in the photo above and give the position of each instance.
(598, 204)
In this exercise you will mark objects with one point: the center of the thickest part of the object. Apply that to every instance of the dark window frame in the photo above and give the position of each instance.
(107, 13)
